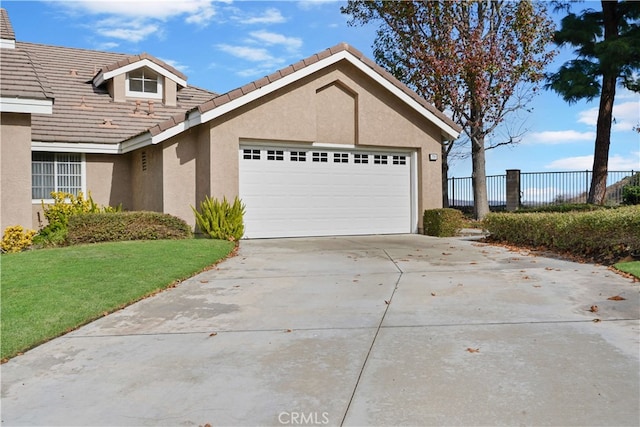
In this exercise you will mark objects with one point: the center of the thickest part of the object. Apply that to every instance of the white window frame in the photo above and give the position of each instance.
(83, 174)
(146, 95)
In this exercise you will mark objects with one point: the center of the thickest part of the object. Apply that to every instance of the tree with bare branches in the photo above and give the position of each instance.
(473, 59)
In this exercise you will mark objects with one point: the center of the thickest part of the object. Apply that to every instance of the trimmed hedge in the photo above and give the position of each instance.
(604, 235)
(119, 226)
(565, 207)
(444, 222)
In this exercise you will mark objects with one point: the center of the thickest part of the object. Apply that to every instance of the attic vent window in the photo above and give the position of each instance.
(143, 159)
(144, 83)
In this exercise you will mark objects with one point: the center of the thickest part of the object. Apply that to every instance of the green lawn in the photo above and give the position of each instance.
(46, 293)
(632, 267)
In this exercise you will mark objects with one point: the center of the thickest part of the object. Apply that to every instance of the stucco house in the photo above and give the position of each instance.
(331, 145)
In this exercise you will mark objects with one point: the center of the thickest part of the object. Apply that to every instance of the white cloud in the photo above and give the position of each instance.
(625, 116)
(144, 9)
(106, 46)
(559, 137)
(269, 38)
(270, 16)
(136, 20)
(134, 30)
(253, 54)
(616, 162)
(311, 4)
(175, 64)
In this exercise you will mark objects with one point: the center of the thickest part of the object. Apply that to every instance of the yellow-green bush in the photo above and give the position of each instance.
(220, 219)
(64, 206)
(17, 239)
(604, 235)
(442, 222)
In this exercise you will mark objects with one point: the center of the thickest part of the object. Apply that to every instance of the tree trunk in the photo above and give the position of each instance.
(479, 179)
(445, 174)
(598, 189)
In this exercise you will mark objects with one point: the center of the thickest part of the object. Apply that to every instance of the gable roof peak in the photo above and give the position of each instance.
(131, 62)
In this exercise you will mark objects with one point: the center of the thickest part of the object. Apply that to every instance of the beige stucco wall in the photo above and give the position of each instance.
(109, 179)
(15, 170)
(146, 185)
(179, 175)
(291, 115)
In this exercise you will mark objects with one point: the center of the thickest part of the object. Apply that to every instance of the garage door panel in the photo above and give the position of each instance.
(306, 198)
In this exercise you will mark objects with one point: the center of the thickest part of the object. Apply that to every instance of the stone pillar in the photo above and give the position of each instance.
(513, 189)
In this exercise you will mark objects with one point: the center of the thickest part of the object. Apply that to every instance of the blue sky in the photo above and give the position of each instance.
(222, 45)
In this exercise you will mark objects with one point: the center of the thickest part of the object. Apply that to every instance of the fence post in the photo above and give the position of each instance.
(513, 189)
(452, 196)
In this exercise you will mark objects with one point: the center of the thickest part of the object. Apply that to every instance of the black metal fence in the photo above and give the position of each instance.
(539, 188)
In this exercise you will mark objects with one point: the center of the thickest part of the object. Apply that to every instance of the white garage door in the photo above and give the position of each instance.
(290, 192)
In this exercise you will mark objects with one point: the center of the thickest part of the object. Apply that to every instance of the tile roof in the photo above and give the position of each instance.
(6, 29)
(83, 113)
(271, 78)
(22, 77)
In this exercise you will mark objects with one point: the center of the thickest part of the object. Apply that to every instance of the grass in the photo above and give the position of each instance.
(632, 267)
(46, 293)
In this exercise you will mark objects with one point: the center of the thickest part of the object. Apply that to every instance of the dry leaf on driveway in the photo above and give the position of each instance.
(616, 298)
(473, 350)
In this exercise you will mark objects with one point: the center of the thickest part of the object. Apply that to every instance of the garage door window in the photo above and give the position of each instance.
(251, 154)
(275, 155)
(340, 158)
(320, 157)
(379, 159)
(298, 156)
(361, 158)
(399, 160)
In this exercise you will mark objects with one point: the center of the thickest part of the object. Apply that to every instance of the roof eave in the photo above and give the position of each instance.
(26, 105)
(448, 131)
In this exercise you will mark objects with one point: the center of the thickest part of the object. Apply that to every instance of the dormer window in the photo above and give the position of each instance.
(144, 83)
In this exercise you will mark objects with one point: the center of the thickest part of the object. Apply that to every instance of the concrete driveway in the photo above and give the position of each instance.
(373, 330)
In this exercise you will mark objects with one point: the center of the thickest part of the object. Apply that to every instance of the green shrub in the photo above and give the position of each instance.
(16, 239)
(119, 226)
(565, 207)
(221, 219)
(631, 195)
(442, 222)
(604, 235)
(65, 205)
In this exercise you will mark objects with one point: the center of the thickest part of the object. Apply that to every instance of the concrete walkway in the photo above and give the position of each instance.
(373, 330)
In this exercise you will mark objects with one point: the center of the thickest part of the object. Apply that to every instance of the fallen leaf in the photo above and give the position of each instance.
(213, 334)
(433, 294)
(446, 253)
(596, 320)
(548, 268)
(473, 263)
(204, 281)
(616, 298)
(526, 277)
(386, 302)
(473, 350)
(593, 309)
(289, 330)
